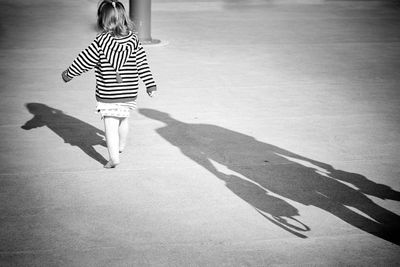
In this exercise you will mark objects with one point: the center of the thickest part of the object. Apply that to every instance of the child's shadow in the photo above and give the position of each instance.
(72, 130)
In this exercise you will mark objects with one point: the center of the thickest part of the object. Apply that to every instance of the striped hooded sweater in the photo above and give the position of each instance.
(118, 63)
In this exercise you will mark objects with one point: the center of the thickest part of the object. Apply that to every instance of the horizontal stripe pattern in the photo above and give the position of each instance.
(108, 56)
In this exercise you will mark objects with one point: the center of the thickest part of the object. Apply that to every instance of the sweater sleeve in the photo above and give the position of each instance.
(143, 68)
(86, 60)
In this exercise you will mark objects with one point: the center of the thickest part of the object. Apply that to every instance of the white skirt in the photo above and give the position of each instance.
(119, 110)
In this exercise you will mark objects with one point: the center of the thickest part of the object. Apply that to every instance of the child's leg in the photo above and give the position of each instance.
(123, 133)
(112, 137)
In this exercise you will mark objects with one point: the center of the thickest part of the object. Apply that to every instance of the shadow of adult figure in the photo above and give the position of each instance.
(72, 130)
(291, 176)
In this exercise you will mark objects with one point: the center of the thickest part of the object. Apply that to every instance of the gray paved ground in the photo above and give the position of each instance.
(274, 139)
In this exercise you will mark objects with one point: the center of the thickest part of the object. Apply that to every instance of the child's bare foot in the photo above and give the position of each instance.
(111, 165)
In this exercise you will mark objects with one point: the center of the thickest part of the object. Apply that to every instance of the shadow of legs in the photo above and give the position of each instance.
(91, 152)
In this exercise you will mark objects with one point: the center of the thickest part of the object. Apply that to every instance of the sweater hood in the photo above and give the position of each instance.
(117, 50)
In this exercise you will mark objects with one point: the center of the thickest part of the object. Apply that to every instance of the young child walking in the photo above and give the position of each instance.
(119, 61)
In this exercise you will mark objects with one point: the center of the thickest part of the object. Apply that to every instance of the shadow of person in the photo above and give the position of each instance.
(275, 209)
(72, 130)
(263, 171)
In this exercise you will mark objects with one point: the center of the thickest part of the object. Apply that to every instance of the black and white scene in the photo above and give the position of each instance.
(187, 133)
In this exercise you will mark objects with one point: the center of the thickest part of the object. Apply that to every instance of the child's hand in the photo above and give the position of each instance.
(65, 76)
(151, 91)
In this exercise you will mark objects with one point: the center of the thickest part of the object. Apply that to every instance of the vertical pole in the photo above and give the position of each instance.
(140, 13)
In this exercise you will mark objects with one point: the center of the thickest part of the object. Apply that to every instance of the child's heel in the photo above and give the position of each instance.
(110, 165)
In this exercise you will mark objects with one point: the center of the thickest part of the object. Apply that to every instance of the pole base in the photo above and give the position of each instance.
(153, 42)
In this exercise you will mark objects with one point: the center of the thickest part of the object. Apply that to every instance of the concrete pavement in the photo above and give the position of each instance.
(274, 138)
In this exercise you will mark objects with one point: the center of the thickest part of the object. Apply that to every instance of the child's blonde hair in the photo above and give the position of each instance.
(111, 17)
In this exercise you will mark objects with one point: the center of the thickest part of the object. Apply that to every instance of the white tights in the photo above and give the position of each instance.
(116, 134)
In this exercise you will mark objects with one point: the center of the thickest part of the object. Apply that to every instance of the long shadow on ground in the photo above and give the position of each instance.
(72, 130)
(262, 173)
